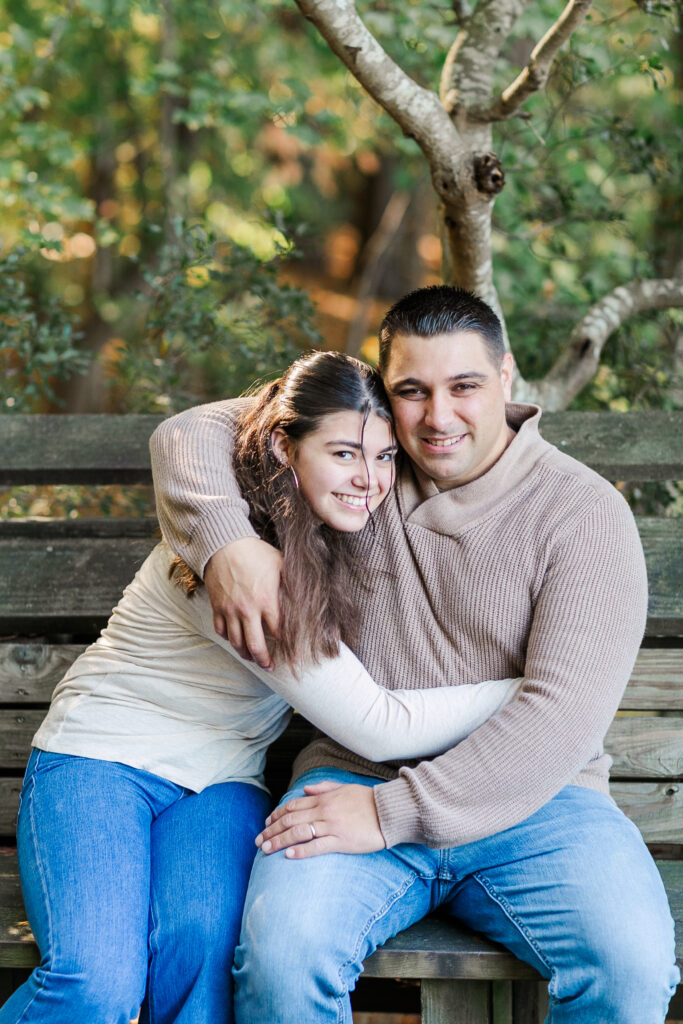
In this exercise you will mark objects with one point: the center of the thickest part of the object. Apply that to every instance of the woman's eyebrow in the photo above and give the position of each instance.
(359, 447)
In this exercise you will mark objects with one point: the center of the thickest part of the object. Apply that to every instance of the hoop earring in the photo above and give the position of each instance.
(296, 478)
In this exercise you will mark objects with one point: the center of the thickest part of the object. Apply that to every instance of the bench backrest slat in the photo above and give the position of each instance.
(67, 576)
(30, 671)
(113, 449)
(75, 449)
(645, 747)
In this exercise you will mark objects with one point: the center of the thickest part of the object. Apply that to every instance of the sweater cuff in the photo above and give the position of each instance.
(397, 812)
(213, 533)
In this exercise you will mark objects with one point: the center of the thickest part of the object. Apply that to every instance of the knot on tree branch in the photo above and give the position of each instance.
(353, 52)
(488, 174)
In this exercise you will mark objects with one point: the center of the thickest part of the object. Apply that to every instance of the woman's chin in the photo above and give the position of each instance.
(347, 522)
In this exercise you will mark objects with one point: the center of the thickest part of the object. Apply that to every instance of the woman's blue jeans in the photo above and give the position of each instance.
(134, 890)
(572, 890)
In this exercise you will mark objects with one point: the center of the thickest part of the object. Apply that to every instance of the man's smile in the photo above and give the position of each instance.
(443, 444)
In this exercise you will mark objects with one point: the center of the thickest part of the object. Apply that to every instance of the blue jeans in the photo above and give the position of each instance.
(134, 890)
(572, 890)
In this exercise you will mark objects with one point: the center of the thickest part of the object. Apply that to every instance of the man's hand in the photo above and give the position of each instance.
(343, 819)
(243, 583)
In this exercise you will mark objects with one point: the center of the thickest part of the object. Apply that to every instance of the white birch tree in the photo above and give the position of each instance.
(454, 130)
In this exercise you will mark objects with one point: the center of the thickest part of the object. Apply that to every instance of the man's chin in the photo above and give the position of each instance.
(442, 469)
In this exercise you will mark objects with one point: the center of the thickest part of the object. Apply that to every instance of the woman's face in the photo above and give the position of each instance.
(341, 481)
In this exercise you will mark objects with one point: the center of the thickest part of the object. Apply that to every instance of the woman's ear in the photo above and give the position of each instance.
(280, 445)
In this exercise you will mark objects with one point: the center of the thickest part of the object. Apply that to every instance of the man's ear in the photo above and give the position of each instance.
(280, 445)
(506, 372)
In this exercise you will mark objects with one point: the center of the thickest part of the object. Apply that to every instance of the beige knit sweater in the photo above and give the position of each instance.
(533, 569)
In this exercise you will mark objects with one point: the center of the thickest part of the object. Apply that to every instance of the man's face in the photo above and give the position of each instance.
(448, 400)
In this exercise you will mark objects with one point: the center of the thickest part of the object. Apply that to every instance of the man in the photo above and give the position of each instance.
(497, 555)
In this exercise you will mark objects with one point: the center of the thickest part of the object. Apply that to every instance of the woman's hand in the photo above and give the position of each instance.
(331, 818)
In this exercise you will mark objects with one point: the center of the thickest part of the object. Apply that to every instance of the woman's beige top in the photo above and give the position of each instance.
(161, 691)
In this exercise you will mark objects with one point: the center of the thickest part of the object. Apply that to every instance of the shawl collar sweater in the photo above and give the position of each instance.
(534, 569)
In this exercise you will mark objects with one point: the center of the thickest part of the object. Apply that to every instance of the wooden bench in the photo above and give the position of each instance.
(61, 578)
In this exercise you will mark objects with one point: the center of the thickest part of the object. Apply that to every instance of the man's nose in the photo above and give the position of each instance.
(438, 413)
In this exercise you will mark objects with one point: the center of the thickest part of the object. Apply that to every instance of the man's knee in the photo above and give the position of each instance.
(627, 975)
(278, 931)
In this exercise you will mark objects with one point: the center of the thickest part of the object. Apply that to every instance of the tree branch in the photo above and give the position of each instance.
(535, 74)
(467, 75)
(578, 364)
(416, 110)
(375, 255)
(461, 11)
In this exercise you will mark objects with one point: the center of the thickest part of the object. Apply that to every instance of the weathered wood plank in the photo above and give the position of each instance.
(113, 449)
(54, 583)
(17, 729)
(620, 446)
(17, 946)
(9, 806)
(436, 948)
(646, 747)
(67, 576)
(672, 876)
(529, 1002)
(655, 807)
(502, 1006)
(462, 1002)
(75, 449)
(30, 672)
(663, 546)
(656, 681)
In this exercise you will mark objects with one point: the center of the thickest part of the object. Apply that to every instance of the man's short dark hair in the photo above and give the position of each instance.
(441, 309)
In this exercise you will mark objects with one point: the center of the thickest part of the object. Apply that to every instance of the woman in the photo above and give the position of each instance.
(144, 791)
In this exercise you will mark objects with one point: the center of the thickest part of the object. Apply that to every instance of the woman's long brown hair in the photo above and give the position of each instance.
(317, 608)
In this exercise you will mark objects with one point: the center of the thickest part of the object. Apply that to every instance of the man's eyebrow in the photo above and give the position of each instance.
(465, 375)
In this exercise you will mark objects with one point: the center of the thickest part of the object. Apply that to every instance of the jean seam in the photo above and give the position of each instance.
(153, 948)
(40, 979)
(379, 913)
(509, 912)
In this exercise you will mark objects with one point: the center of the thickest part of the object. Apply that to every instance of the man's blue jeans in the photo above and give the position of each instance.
(571, 890)
(127, 876)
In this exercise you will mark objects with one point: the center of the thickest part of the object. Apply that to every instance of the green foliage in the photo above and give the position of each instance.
(592, 184)
(39, 343)
(218, 318)
(260, 119)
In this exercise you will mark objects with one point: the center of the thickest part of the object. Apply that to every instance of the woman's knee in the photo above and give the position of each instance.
(87, 991)
(194, 937)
